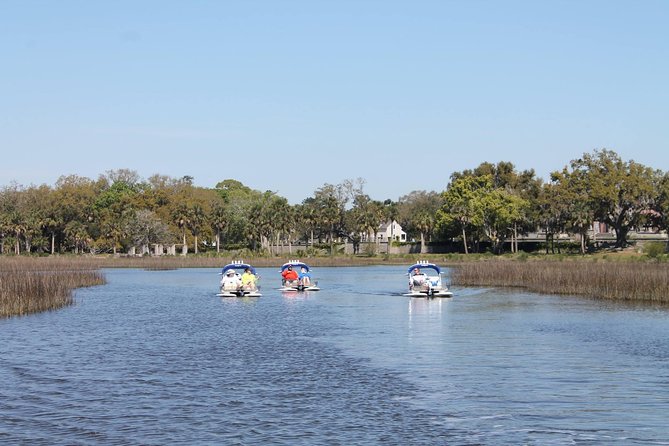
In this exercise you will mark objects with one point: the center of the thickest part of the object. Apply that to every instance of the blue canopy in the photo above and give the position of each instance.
(238, 266)
(294, 264)
(423, 265)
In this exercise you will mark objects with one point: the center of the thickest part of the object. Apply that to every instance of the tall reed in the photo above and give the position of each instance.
(639, 281)
(31, 285)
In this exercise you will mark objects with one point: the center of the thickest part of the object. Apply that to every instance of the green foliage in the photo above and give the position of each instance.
(654, 249)
(619, 192)
(475, 204)
(483, 207)
(418, 214)
(312, 252)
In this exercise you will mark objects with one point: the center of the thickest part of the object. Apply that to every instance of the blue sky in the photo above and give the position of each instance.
(289, 95)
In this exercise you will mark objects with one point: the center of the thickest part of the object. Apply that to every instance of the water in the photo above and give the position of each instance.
(155, 358)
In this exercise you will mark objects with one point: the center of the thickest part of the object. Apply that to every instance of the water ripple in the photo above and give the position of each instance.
(154, 358)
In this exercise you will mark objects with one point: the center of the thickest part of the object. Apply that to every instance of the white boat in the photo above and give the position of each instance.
(300, 284)
(425, 281)
(233, 287)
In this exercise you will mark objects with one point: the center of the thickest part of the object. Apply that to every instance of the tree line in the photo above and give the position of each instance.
(492, 204)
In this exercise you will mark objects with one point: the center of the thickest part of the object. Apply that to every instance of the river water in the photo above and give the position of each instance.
(155, 358)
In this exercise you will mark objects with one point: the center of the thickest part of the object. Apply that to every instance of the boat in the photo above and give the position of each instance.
(428, 282)
(297, 285)
(233, 288)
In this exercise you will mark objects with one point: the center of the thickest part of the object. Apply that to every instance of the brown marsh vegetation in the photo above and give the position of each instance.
(627, 280)
(31, 285)
(175, 262)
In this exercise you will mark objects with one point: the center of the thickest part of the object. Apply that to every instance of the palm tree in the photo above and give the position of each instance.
(419, 210)
(309, 215)
(367, 215)
(181, 217)
(284, 220)
(4, 229)
(219, 220)
(17, 226)
(195, 222)
(77, 233)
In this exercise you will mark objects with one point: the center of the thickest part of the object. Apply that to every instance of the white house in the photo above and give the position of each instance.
(390, 231)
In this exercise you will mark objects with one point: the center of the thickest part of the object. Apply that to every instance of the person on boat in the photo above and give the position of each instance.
(231, 281)
(290, 277)
(249, 280)
(304, 277)
(417, 279)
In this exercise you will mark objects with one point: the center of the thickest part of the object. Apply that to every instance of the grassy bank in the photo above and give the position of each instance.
(32, 285)
(628, 280)
(193, 261)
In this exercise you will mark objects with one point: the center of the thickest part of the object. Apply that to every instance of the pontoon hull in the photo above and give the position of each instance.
(297, 288)
(434, 293)
(239, 294)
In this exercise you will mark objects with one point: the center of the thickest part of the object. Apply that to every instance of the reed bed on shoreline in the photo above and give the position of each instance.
(638, 281)
(176, 262)
(32, 285)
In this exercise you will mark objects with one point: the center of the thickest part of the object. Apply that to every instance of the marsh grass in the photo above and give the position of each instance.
(176, 262)
(32, 285)
(638, 281)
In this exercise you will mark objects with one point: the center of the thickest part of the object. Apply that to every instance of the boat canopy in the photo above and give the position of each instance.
(422, 265)
(294, 264)
(238, 265)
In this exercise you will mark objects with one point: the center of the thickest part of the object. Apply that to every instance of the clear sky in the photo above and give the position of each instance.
(289, 95)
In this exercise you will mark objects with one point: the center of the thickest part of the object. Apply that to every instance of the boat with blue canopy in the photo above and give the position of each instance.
(425, 281)
(231, 280)
(300, 280)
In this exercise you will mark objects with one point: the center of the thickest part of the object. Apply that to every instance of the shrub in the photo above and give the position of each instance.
(654, 249)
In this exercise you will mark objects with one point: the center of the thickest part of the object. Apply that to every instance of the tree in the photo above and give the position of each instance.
(330, 203)
(4, 229)
(524, 185)
(75, 197)
(218, 218)
(127, 177)
(500, 210)
(366, 216)
(418, 214)
(260, 218)
(197, 218)
(566, 206)
(181, 217)
(620, 193)
(553, 210)
(308, 212)
(77, 235)
(115, 205)
(661, 206)
(282, 221)
(145, 228)
(12, 220)
(17, 227)
(239, 202)
(460, 204)
(53, 222)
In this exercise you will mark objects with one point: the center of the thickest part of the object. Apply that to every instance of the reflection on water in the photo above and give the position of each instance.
(157, 358)
(421, 307)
